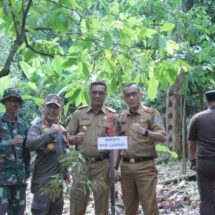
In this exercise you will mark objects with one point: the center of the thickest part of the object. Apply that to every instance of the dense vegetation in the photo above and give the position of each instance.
(61, 46)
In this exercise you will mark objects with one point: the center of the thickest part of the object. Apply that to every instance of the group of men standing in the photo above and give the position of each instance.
(142, 125)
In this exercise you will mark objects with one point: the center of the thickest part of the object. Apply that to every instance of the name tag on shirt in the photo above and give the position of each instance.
(111, 143)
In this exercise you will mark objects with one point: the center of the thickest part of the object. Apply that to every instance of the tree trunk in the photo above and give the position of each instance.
(174, 116)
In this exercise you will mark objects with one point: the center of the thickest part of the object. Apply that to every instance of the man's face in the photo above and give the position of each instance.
(132, 96)
(51, 112)
(12, 104)
(97, 95)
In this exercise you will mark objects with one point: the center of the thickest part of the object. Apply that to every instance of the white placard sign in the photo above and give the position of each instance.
(115, 142)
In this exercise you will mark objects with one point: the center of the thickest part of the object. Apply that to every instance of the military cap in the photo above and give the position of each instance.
(53, 99)
(210, 95)
(11, 92)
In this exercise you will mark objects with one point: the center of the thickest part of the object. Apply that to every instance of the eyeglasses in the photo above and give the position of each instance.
(133, 94)
(99, 93)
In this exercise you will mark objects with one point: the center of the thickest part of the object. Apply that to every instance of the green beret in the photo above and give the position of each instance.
(210, 95)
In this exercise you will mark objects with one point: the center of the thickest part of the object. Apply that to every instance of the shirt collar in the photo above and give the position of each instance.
(137, 112)
(101, 110)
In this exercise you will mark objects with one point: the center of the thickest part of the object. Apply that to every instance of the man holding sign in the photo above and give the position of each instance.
(144, 127)
(87, 124)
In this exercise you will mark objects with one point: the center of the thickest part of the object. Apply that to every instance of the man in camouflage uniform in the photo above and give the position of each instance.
(14, 158)
(87, 124)
(47, 138)
(143, 126)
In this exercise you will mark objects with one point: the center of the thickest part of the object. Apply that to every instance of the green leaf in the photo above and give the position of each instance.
(57, 64)
(27, 69)
(171, 46)
(167, 26)
(152, 88)
(162, 148)
(107, 41)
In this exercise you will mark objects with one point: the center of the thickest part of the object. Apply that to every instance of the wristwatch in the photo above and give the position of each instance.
(146, 133)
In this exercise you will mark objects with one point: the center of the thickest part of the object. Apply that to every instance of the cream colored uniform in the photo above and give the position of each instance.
(138, 179)
(94, 125)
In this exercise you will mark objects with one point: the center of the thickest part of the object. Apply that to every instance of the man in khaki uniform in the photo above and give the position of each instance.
(87, 124)
(143, 126)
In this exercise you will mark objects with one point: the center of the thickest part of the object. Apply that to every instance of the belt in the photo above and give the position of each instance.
(136, 160)
(97, 159)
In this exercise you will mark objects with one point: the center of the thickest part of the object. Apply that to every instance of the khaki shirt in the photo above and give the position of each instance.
(94, 125)
(139, 145)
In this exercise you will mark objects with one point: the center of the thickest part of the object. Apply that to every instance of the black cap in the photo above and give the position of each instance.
(210, 96)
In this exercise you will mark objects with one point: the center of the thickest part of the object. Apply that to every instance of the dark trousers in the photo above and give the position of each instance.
(206, 179)
(43, 205)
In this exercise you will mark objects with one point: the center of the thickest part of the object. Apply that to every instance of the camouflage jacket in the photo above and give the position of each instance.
(49, 148)
(14, 160)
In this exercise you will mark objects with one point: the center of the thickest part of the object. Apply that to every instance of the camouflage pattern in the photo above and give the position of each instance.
(54, 99)
(15, 205)
(49, 147)
(11, 92)
(14, 164)
(14, 160)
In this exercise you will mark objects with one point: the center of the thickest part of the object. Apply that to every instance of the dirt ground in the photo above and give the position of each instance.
(176, 198)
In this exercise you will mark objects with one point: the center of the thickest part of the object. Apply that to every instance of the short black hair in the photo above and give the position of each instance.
(130, 84)
(98, 83)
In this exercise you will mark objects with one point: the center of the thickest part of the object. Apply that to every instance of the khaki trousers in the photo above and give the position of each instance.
(138, 182)
(79, 199)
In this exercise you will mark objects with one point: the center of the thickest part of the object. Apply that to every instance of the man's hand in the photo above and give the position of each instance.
(80, 136)
(138, 128)
(18, 139)
(73, 139)
(54, 129)
(193, 164)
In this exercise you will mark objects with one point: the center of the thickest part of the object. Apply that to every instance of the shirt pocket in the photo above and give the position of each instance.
(145, 123)
(103, 122)
(103, 126)
(84, 124)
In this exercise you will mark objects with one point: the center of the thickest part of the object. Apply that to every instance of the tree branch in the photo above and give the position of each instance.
(14, 20)
(17, 43)
(36, 51)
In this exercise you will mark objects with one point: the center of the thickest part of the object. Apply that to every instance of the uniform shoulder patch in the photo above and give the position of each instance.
(149, 110)
(111, 109)
(81, 107)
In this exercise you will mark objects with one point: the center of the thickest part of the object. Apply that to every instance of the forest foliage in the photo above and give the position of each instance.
(60, 46)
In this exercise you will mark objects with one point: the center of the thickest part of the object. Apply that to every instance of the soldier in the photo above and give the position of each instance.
(87, 124)
(201, 138)
(47, 139)
(14, 158)
(143, 126)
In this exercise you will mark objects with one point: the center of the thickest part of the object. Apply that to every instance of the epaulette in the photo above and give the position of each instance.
(111, 109)
(81, 107)
(149, 110)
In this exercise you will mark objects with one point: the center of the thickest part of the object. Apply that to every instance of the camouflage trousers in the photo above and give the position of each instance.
(12, 200)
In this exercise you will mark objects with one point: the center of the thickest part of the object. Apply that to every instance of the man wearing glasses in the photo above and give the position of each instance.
(144, 127)
(87, 124)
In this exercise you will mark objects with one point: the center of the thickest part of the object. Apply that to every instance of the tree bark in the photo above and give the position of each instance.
(174, 110)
